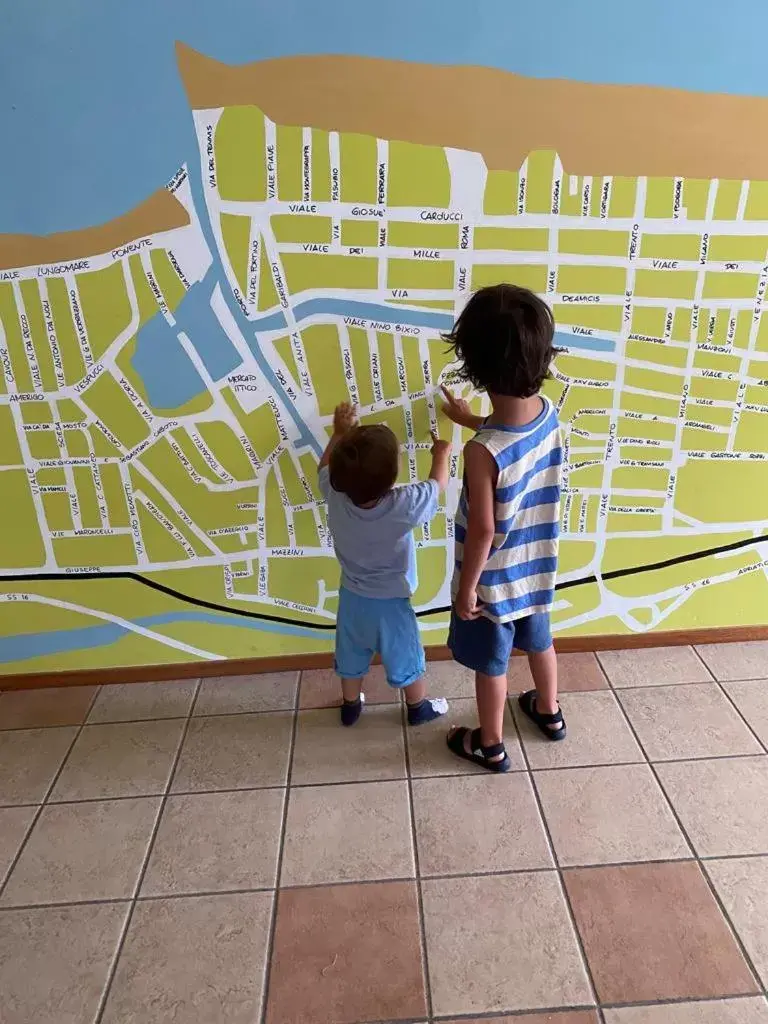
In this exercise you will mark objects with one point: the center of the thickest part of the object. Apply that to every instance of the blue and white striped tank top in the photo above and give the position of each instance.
(519, 576)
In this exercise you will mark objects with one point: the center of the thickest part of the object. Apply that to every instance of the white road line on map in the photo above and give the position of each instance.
(746, 358)
(146, 266)
(306, 164)
(26, 338)
(743, 196)
(126, 624)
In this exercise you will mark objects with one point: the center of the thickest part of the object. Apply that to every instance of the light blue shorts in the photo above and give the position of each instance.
(386, 626)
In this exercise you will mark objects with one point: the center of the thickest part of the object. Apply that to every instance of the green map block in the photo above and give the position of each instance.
(591, 243)
(304, 271)
(303, 229)
(105, 306)
(289, 163)
(21, 545)
(240, 148)
(236, 232)
(429, 275)
(409, 235)
(418, 176)
(500, 198)
(358, 168)
(516, 239)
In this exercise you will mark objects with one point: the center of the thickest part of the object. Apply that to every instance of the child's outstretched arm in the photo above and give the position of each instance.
(440, 470)
(480, 472)
(344, 418)
(457, 410)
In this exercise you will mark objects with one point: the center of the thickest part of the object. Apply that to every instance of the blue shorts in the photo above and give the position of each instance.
(386, 626)
(486, 646)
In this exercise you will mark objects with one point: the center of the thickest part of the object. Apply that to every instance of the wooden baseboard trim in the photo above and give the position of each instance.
(297, 662)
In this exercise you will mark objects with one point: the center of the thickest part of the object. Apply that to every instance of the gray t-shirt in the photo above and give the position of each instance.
(375, 545)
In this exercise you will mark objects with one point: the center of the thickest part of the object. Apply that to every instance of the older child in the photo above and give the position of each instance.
(372, 524)
(507, 523)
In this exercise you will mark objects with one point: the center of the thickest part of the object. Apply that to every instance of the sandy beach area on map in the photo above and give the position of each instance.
(596, 129)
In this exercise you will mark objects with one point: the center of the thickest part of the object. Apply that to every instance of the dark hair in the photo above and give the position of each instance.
(503, 338)
(364, 464)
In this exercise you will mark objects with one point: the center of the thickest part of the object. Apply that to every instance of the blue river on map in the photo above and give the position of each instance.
(171, 380)
(59, 641)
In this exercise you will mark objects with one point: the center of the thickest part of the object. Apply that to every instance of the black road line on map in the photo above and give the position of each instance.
(285, 620)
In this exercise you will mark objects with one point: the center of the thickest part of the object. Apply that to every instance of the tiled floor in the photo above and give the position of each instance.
(224, 853)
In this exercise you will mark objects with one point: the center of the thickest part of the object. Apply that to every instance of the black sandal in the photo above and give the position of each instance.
(527, 702)
(479, 754)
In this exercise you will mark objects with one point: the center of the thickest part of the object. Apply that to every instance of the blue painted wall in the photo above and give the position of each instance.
(93, 117)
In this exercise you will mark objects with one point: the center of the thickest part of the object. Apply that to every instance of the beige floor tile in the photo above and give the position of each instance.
(90, 851)
(575, 672)
(675, 722)
(501, 942)
(54, 961)
(737, 661)
(14, 824)
(209, 842)
(134, 702)
(723, 804)
(346, 953)
(196, 959)
(321, 688)
(751, 698)
(742, 885)
(327, 752)
(478, 823)
(555, 1017)
(449, 679)
(268, 691)
(29, 760)
(597, 734)
(58, 705)
(607, 815)
(355, 832)
(653, 932)
(123, 759)
(428, 751)
(234, 752)
(752, 1010)
(653, 666)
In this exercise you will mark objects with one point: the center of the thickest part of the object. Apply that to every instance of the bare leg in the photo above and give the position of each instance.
(491, 692)
(350, 689)
(544, 671)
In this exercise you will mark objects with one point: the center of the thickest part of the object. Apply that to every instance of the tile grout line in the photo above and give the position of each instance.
(44, 801)
(556, 862)
(716, 896)
(145, 864)
(319, 785)
(416, 864)
(720, 684)
(270, 945)
(339, 883)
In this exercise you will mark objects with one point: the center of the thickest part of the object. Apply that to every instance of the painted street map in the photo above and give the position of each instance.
(163, 404)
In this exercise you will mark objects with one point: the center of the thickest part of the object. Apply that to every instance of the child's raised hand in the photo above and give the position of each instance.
(456, 409)
(440, 447)
(344, 418)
